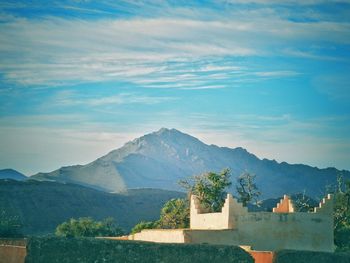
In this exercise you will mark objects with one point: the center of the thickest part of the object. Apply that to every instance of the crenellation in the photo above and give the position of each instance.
(284, 206)
(234, 225)
(325, 206)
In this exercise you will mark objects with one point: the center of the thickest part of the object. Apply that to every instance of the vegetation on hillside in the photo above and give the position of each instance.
(87, 227)
(41, 206)
(10, 226)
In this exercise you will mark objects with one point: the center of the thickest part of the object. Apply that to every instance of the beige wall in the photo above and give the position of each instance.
(12, 254)
(300, 231)
(160, 235)
(201, 219)
(262, 231)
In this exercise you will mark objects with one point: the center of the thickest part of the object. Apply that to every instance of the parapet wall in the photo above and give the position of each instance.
(226, 219)
(282, 229)
(262, 231)
(160, 235)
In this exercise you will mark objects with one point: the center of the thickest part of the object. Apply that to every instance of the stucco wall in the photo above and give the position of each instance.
(218, 237)
(300, 231)
(262, 231)
(160, 235)
(12, 250)
(201, 219)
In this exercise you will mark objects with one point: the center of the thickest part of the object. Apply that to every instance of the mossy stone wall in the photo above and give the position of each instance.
(86, 250)
(293, 256)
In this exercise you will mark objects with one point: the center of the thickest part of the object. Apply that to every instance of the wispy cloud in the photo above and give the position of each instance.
(57, 51)
(285, 73)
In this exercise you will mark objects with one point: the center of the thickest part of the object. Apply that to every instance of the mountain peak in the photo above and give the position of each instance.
(167, 131)
(161, 158)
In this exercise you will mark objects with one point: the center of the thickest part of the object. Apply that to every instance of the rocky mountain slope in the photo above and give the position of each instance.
(162, 158)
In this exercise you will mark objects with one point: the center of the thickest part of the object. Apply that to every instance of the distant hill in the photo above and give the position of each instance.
(160, 159)
(41, 206)
(12, 174)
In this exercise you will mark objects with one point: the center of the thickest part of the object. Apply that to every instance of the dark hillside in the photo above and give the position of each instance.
(12, 174)
(41, 206)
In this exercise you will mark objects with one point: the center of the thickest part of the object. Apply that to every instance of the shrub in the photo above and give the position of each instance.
(292, 256)
(87, 227)
(10, 226)
(91, 250)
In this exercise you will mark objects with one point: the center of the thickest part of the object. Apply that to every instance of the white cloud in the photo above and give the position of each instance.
(285, 73)
(287, 2)
(57, 51)
(127, 98)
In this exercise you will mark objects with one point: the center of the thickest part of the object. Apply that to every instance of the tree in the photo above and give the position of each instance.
(342, 207)
(303, 203)
(10, 226)
(209, 188)
(175, 214)
(247, 189)
(87, 227)
(342, 214)
(144, 225)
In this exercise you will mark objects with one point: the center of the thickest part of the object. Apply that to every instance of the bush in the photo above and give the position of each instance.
(342, 239)
(87, 227)
(144, 225)
(10, 226)
(292, 256)
(91, 250)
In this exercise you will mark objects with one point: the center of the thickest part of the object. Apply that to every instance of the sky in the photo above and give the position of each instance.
(80, 78)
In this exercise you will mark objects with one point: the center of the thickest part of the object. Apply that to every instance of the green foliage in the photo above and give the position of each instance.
(91, 250)
(209, 188)
(342, 207)
(342, 239)
(10, 226)
(341, 213)
(87, 227)
(175, 214)
(303, 203)
(58, 203)
(144, 225)
(292, 256)
(247, 189)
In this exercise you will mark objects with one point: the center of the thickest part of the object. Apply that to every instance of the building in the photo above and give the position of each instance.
(283, 228)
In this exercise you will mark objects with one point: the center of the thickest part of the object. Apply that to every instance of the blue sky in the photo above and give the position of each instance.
(80, 78)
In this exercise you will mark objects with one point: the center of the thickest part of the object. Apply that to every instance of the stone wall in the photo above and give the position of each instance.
(90, 250)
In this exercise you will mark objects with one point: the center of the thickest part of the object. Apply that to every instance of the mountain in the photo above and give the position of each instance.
(12, 174)
(160, 159)
(41, 206)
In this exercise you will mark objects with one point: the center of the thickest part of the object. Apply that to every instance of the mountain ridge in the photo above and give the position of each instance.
(12, 174)
(160, 159)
